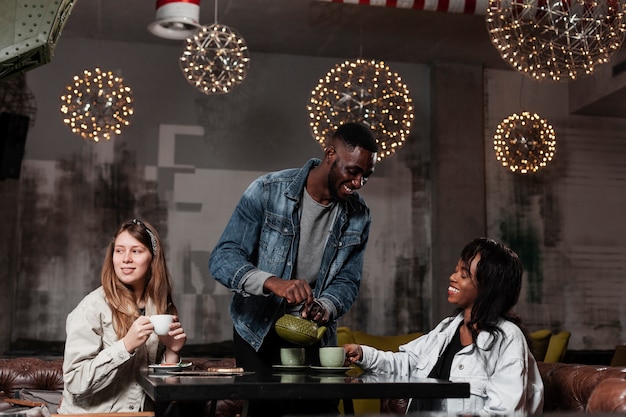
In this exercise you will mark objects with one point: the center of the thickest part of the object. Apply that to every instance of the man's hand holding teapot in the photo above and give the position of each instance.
(315, 311)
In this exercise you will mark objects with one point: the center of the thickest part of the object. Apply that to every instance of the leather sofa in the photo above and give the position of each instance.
(591, 388)
(46, 374)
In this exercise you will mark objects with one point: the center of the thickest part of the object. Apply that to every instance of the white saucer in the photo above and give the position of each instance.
(331, 369)
(290, 367)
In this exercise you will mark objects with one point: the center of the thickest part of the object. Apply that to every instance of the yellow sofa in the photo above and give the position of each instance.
(388, 343)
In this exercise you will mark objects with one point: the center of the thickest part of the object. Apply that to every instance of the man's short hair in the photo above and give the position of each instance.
(357, 134)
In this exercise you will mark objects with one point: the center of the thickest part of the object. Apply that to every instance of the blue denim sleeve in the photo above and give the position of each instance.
(233, 256)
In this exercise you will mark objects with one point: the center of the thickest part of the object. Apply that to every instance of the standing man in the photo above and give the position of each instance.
(295, 244)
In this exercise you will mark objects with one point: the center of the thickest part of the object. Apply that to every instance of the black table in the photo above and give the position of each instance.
(308, 384)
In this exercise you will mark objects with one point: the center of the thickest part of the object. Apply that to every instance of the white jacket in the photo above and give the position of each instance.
(503, 380)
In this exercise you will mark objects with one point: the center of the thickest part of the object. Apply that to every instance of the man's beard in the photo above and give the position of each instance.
(332, 182)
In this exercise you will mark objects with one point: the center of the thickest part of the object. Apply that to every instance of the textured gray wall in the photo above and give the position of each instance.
(567, 221)
(183, 164)
(186, 158)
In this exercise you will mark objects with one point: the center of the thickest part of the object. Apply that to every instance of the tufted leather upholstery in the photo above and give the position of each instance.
(568, 388)
(609, 396)
(47, 374)
(30, 373)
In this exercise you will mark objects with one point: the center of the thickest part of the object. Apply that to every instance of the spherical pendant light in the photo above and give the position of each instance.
(557, 40)
(97, 105)
(215, 59)
(524, 143)
(367, 92)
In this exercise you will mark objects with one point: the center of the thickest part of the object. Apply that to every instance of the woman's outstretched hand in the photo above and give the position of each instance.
(354, 353)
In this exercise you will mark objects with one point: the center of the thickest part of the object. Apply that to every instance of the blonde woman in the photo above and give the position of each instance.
(110, 338)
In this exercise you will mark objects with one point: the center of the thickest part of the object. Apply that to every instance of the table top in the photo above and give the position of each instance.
(308, 384)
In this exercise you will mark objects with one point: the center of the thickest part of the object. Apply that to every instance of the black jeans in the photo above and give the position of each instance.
(262, 361)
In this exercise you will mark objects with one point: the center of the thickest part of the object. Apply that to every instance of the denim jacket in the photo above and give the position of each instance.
(263, 233)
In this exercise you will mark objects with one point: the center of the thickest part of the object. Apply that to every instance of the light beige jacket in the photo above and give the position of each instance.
(99, 374)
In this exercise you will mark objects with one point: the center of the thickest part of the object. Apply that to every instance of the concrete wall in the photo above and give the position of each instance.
(182, 164)
(186, 158)
(566, 221)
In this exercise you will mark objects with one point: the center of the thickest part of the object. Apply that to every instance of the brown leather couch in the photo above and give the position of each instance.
(568, 388)
(47, 374)
(591, 388)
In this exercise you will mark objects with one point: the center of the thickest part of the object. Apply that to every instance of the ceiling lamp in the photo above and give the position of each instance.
(524, 143)
(215, 59)
(176, 19)
(366, 92)
(559, 40)
(97, 105)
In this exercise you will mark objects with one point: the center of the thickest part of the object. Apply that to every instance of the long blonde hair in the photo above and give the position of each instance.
(158, 283)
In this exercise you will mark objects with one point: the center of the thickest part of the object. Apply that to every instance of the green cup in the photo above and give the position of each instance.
(332, 357)
(292, 356)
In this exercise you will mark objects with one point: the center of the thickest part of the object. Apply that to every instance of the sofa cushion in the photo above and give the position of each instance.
(30, 373)
(619, 356)
(540, 340)
(557, 347)
(344, 336)
(386, 343)
(609, 396)
(567, 387)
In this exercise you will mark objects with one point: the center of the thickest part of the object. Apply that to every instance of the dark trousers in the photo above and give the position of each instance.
(262, 361)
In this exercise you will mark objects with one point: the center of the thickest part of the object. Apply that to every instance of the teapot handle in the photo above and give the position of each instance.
(314, 309)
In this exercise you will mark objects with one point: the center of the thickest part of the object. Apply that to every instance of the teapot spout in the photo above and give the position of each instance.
(320, 332)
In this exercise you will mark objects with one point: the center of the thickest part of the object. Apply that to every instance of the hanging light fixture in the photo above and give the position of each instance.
(215, 59)
(557, 40)
(367, 92)
(97, 105)
(524, 143)
(176, 19)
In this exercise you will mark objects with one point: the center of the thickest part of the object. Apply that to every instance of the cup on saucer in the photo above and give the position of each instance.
(332, 356)
(292, 356)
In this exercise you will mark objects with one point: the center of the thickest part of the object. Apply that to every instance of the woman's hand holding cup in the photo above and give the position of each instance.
(354, 353)
(171, 334)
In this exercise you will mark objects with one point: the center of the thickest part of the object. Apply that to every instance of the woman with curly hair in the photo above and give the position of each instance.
(110, 337)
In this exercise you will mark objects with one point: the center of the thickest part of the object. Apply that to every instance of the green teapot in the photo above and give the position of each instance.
(298, 330)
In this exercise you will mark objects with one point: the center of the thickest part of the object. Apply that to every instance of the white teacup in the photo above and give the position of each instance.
(161, 323)
(332, 357)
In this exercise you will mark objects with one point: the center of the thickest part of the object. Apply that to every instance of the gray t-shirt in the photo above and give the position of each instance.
(315, 222)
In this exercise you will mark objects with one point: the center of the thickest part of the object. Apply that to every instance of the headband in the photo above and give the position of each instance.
(153, 240)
